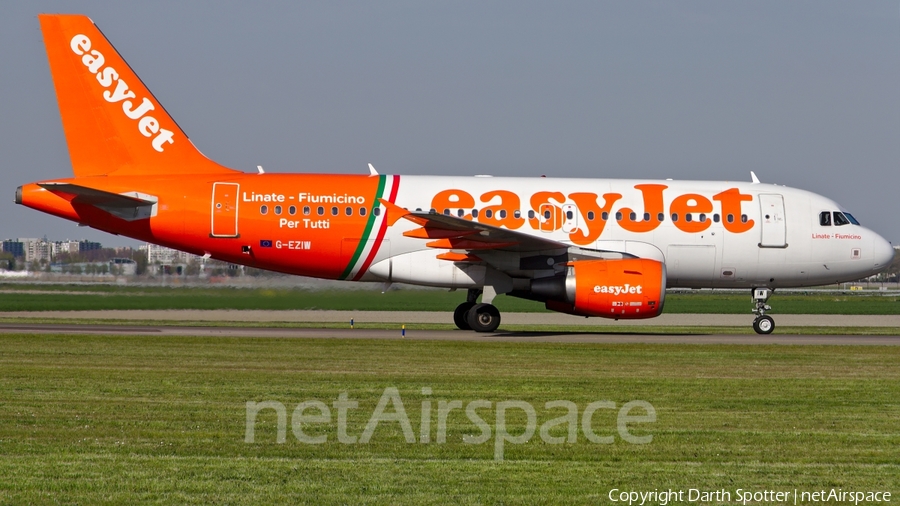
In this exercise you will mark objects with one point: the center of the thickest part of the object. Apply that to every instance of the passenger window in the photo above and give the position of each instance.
(474, 213)
(633, 216)
(661, 217)
(604, 216)
(517, 213)
(305, 209)
(277, 209)
(348, 211)
(502, 213)
(825, 219)
(292, 210)
(460, 213)
(531, 214)
(334, 211)
(674, 216)
(362, 211)
(743, 218)
(730, 218)
(320, 210)
(488, 213)
(716, 217)
(546, 215)
(569, 215)
(646, 216)
(619, 216)
(377, 211)
(688, 217)
(446, 212)
(591, 215)
(263, 209)
(840, 219)
(702, 218)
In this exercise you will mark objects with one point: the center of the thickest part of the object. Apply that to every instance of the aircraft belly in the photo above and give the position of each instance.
(424, 268)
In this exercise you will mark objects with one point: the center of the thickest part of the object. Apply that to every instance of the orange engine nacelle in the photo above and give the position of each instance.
(629, 288)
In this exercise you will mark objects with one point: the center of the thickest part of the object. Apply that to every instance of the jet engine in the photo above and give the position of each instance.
(631, 288)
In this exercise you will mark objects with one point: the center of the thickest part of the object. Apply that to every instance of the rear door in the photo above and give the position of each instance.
(224, 210)
(772, 223)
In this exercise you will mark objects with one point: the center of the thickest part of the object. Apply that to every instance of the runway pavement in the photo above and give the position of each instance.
(408, 317)
(447, 335)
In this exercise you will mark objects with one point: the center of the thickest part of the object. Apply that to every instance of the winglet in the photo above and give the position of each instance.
(372, 171)
(754, 178)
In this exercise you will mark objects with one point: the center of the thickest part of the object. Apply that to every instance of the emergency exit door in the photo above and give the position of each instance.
(772, 225)
(224, 210)
(548, 218)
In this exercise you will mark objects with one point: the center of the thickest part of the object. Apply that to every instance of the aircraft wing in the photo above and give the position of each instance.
(452, 233)
(125, 207)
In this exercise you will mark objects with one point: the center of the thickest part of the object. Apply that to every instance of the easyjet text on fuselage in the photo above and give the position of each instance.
(502, 209)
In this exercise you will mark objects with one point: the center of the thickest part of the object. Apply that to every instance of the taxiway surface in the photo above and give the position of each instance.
(448, 335)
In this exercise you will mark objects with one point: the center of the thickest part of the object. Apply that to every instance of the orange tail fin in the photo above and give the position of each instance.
(113, 124)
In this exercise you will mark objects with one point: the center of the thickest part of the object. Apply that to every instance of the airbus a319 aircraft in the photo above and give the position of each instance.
(588, 247)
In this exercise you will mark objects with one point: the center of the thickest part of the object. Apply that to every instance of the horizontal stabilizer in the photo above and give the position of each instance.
(125, 207)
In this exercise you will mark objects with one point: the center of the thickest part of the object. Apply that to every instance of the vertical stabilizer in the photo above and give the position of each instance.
(113, 124)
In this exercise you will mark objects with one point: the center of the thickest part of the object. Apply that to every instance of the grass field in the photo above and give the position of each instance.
(16, 297)
(99, 419)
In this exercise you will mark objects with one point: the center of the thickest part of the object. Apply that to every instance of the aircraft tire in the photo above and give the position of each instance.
(460, 315)
(764, 324)
(483, 318)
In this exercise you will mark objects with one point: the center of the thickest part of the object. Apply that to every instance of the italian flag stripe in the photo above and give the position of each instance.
(368, 230)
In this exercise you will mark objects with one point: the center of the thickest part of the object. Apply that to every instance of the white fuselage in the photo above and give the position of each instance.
(708, 233)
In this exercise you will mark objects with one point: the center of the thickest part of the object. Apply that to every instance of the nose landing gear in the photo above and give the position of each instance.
(763, 323)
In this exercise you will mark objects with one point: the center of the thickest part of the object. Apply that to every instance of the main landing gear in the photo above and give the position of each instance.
(478, 317)
(763, 323)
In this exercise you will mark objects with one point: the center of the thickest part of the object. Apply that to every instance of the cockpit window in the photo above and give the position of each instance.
(825, 218)
(851, 218)
(840, 219)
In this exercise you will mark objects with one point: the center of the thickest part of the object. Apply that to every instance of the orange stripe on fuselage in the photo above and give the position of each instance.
(303, 244)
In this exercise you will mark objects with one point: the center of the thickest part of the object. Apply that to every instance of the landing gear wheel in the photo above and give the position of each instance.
(459, 315)
(483, 318)
(764, 324)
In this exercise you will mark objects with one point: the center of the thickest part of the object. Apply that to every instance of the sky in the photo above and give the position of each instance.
(803, 93)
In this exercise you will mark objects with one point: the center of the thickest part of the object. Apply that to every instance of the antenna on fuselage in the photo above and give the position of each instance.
(372, 171)
(753, 177)
(260, 169)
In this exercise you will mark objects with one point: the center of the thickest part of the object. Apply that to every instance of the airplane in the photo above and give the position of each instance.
(588, 247)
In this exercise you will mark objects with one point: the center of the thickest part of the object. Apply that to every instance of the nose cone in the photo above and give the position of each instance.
(884, 253)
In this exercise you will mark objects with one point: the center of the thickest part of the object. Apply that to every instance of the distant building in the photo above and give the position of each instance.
(35, 250)
(16, 248)
(66, 246)
(161, 255)
(86, 245)
(125, 266)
